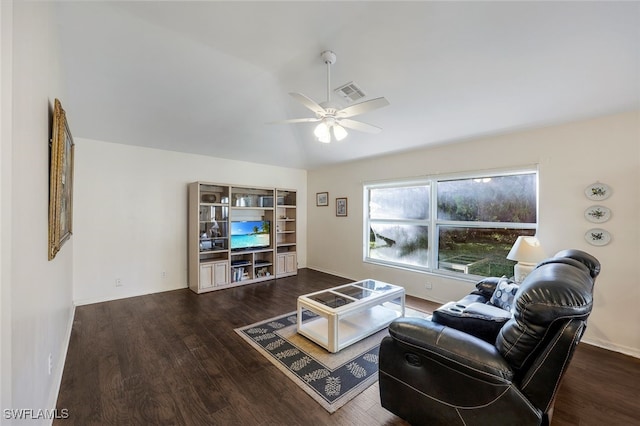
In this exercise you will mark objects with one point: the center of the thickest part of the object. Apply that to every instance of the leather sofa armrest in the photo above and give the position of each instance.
(469, 354)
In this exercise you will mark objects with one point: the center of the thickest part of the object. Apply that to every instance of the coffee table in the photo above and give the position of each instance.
(348, 313)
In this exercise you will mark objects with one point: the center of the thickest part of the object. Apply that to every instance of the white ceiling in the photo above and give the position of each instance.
(207, 77)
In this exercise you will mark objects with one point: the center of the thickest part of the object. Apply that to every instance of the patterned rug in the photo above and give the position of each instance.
(331, 379)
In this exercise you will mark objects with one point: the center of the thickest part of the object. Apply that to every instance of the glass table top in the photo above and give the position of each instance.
(374, 285)
(350, 293)
(330, 299)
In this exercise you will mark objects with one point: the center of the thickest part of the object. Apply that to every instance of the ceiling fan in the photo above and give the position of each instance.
(332, 118)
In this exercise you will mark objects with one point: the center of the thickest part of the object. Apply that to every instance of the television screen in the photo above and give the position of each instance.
(250, 234)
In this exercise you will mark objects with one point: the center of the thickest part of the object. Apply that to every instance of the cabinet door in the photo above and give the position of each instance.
(220, 276)
(291, 263)
(280, 264)
(286, 264)
(206, 275)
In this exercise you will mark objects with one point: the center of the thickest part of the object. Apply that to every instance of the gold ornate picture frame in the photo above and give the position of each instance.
(60, 181)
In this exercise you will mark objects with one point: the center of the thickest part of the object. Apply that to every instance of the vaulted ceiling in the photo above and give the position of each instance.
(207, 77)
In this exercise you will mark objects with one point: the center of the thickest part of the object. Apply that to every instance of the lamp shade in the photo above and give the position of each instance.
(527, 250)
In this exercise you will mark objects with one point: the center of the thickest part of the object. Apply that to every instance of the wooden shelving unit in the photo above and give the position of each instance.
(222, 253)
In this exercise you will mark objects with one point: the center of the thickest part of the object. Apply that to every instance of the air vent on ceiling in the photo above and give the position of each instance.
(350, 92)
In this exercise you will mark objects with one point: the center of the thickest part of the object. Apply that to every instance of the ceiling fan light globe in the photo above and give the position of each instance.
(322, 133)
(339, 132)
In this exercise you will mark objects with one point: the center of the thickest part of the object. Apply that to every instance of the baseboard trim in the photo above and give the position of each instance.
(109, 298)
(62, 358)
(612, 347)
(330, 272)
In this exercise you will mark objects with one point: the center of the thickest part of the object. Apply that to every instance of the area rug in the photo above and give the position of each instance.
(331, 379)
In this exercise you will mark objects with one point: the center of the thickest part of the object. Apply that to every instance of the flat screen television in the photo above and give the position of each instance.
(250, 234)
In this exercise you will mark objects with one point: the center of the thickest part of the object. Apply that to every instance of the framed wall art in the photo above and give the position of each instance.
(60, 181)
(341, 206)
(322, 199)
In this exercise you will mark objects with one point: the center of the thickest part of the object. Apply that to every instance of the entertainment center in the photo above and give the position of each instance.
(240, 235)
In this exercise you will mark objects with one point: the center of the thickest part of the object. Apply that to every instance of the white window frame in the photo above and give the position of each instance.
(433, 223)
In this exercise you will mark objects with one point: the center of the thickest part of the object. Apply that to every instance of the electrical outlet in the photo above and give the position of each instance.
(118, 282)
(163, 275)
(428, 286)
(50, 363)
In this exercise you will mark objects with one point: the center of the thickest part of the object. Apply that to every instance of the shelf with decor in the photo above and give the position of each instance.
(286, 233)
(208, 241)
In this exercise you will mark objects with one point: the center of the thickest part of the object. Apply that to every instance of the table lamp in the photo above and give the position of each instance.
(527, 251)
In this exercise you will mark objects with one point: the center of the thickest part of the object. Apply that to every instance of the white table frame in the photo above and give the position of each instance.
(336, 328)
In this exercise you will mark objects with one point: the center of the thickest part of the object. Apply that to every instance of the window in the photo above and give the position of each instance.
(451, 224)
(399, 224)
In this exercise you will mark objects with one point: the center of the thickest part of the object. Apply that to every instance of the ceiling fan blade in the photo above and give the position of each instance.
(296, 120)
(359, 125)
(309, 103)
(362, 107)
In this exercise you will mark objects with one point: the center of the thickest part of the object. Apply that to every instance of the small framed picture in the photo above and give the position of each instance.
(341, 206)
(322, 199)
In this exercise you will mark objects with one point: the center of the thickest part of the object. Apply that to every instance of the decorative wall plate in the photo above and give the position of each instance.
(597, 214)
(597, 237)
(597, 191)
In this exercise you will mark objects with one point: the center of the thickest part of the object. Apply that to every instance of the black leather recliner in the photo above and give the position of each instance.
(434, 374)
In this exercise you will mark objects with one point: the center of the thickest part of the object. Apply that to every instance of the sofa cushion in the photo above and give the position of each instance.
(478, 319)
(504, 294)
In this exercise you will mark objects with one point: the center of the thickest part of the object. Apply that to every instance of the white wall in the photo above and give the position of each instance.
(40, 307)
(130, 214)
(570, 157)
(6, 60)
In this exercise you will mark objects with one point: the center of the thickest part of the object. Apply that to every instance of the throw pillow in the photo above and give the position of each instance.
(504, 294)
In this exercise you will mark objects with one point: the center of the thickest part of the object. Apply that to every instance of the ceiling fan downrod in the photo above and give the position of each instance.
(329, 58)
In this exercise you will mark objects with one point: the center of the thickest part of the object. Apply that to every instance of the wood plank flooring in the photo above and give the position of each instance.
(173, 358)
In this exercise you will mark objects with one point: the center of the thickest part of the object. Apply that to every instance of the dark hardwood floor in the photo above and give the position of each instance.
(173, 358)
